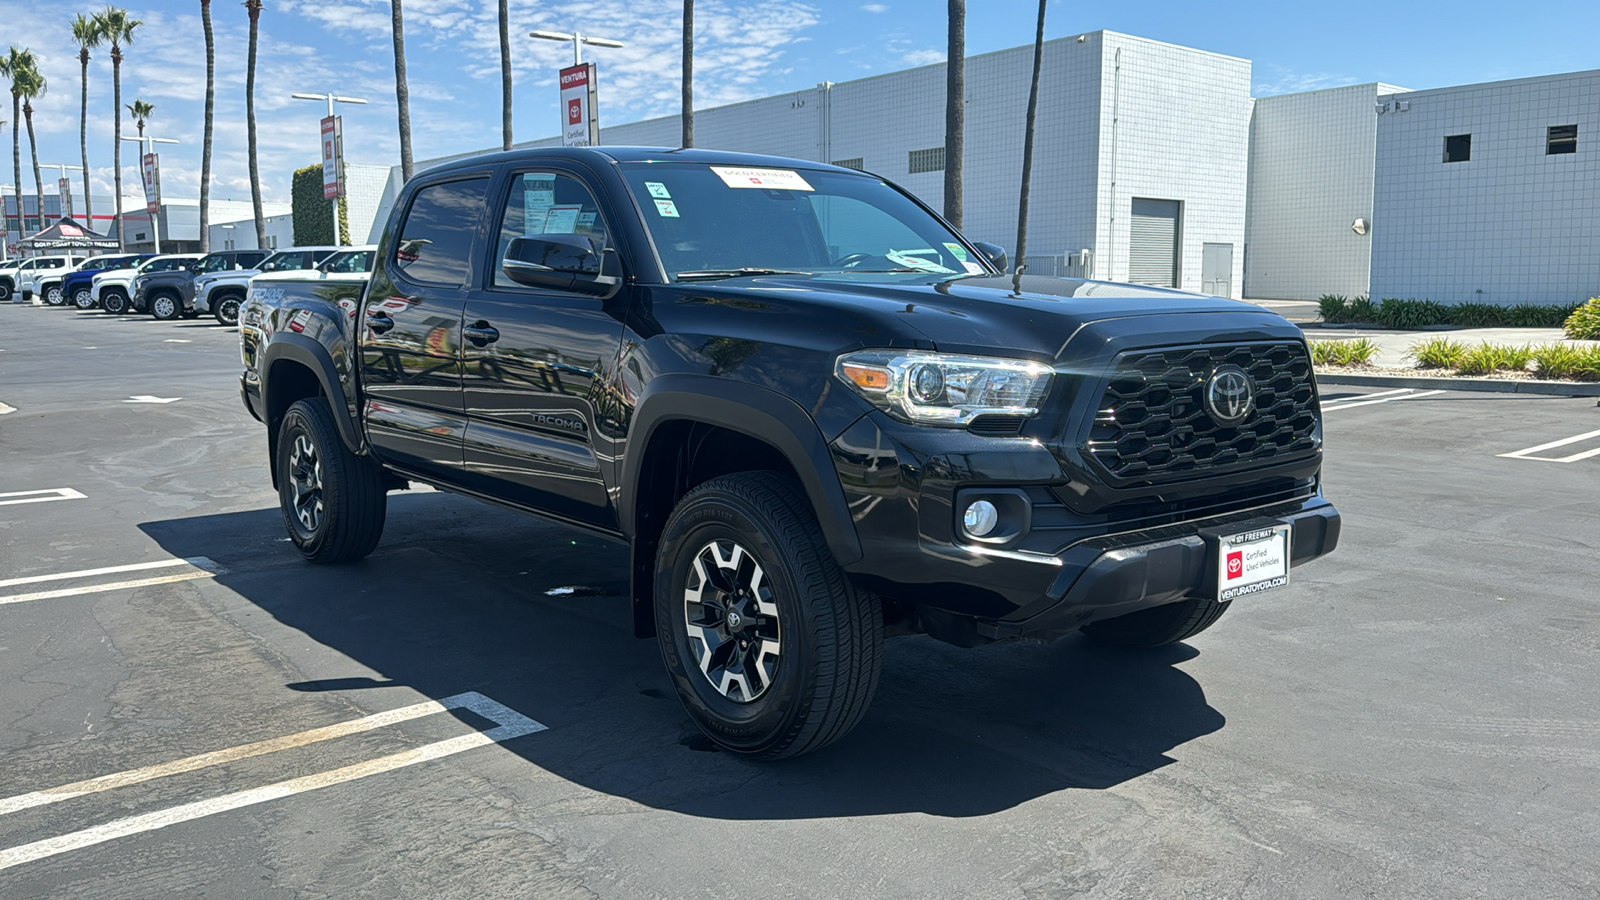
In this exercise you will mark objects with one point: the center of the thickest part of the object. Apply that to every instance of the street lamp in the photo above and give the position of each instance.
(155, 217)
(577, 39)
(331, 99)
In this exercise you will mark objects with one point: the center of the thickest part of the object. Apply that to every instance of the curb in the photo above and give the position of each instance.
(1489, 385)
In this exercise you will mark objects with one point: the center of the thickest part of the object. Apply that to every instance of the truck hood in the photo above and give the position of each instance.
(985, 313)
(114, 275)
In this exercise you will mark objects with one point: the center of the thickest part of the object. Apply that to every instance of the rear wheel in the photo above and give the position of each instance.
(227, 309)
(83, 299)
(166, 306)
(54, 295)
(5, 291)
(333, 501)
(114, 301)
(771, 650)
(1165, 624)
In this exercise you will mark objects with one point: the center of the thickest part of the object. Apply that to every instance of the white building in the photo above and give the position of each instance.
(1139, 159)
(241, 234)
(1489, 192)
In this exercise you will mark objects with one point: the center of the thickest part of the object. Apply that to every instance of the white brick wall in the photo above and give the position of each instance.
(1311, 176)
(1510, 225)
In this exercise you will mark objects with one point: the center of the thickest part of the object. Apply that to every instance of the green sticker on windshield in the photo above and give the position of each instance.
(958, 250)
(667, 209)
(657, 189)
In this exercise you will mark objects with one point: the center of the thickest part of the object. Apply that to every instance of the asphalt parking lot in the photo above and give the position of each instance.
(187, 709)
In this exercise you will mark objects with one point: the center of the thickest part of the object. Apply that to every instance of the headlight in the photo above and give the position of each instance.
(943, 388)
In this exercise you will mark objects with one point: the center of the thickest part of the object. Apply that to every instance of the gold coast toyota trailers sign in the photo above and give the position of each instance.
(580, 125)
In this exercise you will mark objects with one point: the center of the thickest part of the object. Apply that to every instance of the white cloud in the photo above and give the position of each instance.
(875, 8)
(923, 57)
(1284, 80)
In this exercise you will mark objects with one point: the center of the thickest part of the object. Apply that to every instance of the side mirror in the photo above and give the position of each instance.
(562, 262)
(995, 253)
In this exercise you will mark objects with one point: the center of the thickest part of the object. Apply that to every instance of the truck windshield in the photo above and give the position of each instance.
(348, 261)
(164, 265)
(216, 262)
(727, 221)
(280, 262)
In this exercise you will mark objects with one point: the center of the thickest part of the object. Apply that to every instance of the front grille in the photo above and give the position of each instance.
(1152, 423)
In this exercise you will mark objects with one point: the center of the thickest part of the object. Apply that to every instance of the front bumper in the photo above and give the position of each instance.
(1068, 567)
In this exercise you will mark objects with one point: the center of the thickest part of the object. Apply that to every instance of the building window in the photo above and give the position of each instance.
(931, 160)
(1458, 148)
(272, 242)
(1561, 139)
(855, 162)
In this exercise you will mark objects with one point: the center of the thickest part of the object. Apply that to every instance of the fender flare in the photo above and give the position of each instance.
(761, 413)
(286, 345)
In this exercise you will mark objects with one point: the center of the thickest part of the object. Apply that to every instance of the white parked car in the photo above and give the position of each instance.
(222, 293)
(10, 272)
(28, 281)
(113, 290)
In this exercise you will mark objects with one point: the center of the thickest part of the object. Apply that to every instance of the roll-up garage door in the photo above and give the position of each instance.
(1153, 243)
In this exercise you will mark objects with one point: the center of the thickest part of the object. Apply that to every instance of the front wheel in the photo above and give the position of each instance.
(54, 295)
(1159, 625)
(771, 650)
(333, 501)
(114, 302)
(5, 291)
(165, 307)
(227, 310)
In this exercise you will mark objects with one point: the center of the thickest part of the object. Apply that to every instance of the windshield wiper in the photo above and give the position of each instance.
(708, 274)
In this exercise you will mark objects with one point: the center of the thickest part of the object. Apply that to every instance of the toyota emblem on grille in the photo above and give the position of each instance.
(1230, 395)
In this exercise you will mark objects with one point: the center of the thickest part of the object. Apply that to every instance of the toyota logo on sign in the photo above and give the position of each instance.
(574, 112)
(1230, 395)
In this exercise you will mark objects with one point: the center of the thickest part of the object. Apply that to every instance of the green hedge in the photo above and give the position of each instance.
(313, 218)
(1415, 314)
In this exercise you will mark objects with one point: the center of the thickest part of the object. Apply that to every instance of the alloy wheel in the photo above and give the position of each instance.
(305, 478)
(228, 311)
(164, 307)
(83, 299)
(54, 296)
(732, 620)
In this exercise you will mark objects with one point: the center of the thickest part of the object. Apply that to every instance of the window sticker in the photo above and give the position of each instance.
(586, 223)
(910, 260)
(972, 267)
(768, 179)
(667, 209)
(538, 195)
(959, 251)
(562, 219)
(657, 189)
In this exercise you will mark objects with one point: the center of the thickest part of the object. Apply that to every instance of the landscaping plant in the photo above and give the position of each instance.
(1333, 308)
(1437, 353)
(1579, 362)
(1343, 353)
(1584, 322)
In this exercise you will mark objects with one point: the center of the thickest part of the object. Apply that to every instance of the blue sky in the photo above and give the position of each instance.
(747, 48)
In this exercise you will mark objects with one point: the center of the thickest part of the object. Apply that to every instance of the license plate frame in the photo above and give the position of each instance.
(1261, 556)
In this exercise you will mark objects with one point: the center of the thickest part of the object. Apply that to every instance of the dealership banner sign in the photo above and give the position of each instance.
(332, 158)
(580, 123)
(152, 184)
(64, 187)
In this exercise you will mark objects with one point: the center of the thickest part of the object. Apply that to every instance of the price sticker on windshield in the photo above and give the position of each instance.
(767, 179)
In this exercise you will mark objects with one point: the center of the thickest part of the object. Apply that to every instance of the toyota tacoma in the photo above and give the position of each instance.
(814, 412)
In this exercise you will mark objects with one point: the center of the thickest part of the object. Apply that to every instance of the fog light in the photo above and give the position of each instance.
(980, 518)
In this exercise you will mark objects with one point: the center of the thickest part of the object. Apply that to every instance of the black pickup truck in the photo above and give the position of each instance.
(815, 412)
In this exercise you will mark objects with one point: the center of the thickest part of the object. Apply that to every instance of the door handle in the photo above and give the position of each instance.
(481, 333)
(379, 322)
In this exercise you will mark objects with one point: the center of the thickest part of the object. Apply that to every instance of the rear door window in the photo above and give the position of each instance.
(435, 245)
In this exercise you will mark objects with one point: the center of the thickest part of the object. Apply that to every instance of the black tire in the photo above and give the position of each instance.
(114, 302)
(829, 638)
(5, 291)
(83, 299)
(190, 313)
(166, 306)
(53, 295)
(1159, 625)
(226, 308)
(347, 501)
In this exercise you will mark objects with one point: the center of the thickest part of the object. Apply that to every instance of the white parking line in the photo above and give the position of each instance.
(42, 496)
(1369, 396)
(7, 408)
(1407, 394)
(509, 724)
(1528, 453)
(198, 561)
(207, 569)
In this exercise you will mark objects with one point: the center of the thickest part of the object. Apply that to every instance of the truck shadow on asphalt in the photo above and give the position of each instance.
(455, 599)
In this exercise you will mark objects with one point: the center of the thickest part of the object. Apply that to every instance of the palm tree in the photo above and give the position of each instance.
(33, 85)
(141, 112)
(205, 148)
(254, 8)
(688, 74)
(1027, 145)
(402, 94)
(117, 27)
(955, 111)
(13, 66)
(505, 76)
(86, 31)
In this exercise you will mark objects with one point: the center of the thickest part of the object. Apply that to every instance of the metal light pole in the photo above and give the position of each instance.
(144, 150)
(331, 99)
(577, 39)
